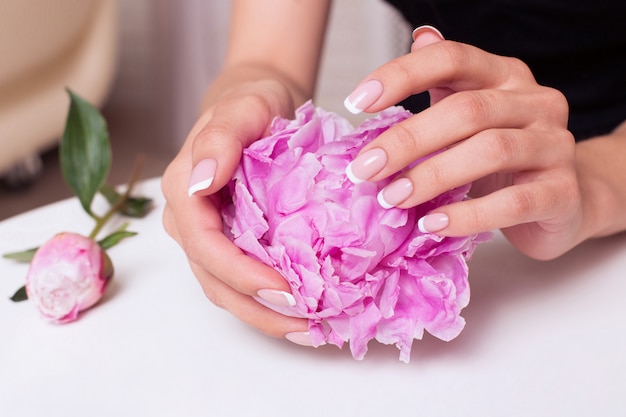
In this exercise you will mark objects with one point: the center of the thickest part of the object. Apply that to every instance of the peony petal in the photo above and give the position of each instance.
(357, 271)
(249, 216)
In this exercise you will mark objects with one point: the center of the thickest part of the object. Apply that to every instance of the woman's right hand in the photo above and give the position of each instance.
(205, 163)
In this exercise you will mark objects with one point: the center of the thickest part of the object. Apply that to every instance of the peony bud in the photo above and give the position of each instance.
(68, 274)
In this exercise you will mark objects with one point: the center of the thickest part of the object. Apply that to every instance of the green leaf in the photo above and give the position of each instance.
(115, 238)
(136, 207)
(85, 151)
(110, 193)
(20, 295)
(133, 206)
(23, 256)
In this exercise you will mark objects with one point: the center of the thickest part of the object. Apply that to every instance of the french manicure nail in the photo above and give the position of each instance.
(395, 193)
(202, 176)
(366, 165)
(433, 222)
(277, 297)
(300, 338)
(427, 28)
(363, 96)
(425, 35)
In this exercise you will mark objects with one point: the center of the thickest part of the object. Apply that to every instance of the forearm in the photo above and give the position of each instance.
(601, 165)
(277, 40)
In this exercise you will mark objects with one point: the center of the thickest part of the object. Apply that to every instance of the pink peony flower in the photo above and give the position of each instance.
(357, 271)
(68, 274)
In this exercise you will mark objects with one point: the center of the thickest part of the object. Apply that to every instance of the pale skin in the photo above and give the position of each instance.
(496, 126)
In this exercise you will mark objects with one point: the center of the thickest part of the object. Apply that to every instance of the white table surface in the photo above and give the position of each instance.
(542, 339)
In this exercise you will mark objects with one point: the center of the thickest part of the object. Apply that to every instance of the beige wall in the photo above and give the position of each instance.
(363, 34)
(170, 50)
(46, 47)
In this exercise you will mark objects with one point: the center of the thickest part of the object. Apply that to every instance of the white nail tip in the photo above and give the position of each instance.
(199, 186)
(290, 299)
(381, 200)
(351, 175)
(421, 28)
(351, 107)
(420, 225)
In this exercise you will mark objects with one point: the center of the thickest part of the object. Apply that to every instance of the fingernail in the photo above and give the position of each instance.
(363, 96)
(202, 176)
(425, 35)
(433, 222)
(427, 29)
(300, 338)
(277, 297)
(395, 193)
(366, 165)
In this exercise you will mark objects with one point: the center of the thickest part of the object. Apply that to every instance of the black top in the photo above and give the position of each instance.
(575, 46)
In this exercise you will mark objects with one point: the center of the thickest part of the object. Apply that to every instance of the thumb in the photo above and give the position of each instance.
(218, 143)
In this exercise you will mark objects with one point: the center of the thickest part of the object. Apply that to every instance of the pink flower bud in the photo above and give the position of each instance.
(68, 274)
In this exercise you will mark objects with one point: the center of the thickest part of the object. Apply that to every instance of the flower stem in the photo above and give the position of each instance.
(101, 221)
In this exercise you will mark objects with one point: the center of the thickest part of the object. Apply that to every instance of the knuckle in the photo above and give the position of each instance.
(404, 139)
(558, 104)
(165, 182)
(474, 217)
(257, 102)
(402, 69)
(453, 55)
(170, 179)
(215, 131)
(432, 173)
(518, 68)
(552, 107)
(213, 290)
(219, 129)
(520, 203)
(168, 222)
(474, 107)
(567, 142)
(194, 255)
(565, 189)
(500, 148)
(215, 298)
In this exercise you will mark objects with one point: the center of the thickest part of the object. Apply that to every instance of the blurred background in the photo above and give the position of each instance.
(145, 64)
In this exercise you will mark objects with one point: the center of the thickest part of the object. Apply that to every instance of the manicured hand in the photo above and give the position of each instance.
(206, 162)
(489, 124)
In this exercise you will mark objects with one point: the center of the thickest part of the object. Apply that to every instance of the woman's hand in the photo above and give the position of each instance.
(205, 163)
(266, 73)
(489, 124)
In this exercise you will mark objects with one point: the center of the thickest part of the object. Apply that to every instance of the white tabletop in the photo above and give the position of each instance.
(542, 339)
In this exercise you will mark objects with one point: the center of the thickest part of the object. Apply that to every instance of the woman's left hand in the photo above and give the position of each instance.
(489, 124)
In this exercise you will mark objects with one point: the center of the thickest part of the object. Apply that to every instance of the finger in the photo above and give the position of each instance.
(542, 200)
(452, 120)
(233, 124)
(494, 151)
(241, 305)
(444, 64)
(203, 240)
(424, 36)
(246, 308)
(197, 227)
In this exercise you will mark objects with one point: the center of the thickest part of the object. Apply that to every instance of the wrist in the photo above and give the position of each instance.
(601, 165)
(236, 77)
